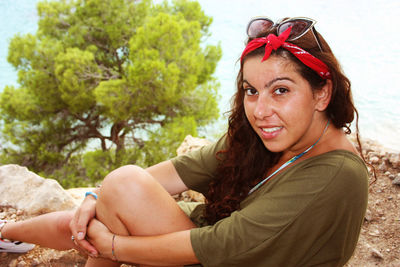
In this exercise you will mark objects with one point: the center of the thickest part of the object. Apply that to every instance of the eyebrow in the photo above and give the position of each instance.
(272, 81)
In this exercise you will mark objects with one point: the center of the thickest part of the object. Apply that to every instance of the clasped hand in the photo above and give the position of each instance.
(90, 235)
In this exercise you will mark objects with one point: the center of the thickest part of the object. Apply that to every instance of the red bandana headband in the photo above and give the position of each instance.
(272, 42)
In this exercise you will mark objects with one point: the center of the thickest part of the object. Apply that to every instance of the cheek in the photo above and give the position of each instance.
(248, 110)
(300, 110)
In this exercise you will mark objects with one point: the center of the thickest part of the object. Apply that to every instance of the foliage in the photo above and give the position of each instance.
(135, 76)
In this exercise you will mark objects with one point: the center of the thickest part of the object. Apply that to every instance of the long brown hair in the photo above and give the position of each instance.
(241, 168)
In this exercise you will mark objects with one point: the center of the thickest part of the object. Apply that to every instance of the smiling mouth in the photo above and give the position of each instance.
(271, 130)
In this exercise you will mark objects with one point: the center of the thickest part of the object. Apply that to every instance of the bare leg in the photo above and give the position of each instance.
(131, 202)
(49, 230)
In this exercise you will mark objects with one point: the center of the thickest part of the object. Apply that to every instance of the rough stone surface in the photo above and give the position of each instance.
(396, 180)
(191, 143)
(27, 191)
(78, 194)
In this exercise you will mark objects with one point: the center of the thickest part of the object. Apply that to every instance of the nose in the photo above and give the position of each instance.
(263, 109)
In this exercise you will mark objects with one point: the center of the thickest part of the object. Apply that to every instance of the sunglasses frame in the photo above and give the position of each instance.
(278, 24)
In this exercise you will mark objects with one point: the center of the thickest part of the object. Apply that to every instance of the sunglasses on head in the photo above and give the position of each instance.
(259, 26)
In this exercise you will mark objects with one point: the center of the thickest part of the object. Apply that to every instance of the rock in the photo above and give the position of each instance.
(191, 143)
(382, 166)
(396, 180)
(193, 196)
(374, 160)
(394, 159)
(374, 233)
(31, 193)
(35, 262)
(368, 215)
(78, 194)
(13, 263)
(376, 253)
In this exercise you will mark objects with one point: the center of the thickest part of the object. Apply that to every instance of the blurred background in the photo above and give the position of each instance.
(362, 34)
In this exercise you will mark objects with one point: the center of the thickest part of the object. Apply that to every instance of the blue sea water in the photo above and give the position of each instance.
(362, 34)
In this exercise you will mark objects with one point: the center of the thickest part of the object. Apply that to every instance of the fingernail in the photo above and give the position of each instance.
(93, 254)
(80, 236)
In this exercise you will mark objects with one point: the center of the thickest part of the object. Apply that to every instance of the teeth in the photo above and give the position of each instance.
(270, 130)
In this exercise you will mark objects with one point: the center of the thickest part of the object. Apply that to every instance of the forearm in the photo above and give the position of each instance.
(163, 250)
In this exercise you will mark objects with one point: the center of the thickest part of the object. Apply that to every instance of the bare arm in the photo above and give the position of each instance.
(161, 250)
(166, 174)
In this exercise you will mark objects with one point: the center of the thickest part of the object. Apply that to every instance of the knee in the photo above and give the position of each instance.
(125, 181)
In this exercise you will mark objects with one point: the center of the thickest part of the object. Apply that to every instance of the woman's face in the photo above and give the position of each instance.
(279, 104)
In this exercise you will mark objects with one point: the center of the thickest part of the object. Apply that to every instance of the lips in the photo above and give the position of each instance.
(270, 132)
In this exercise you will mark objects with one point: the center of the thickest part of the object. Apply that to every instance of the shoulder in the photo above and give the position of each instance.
(329, 175)
(337, 167)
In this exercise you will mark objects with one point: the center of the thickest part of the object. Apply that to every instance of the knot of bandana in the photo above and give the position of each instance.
(273, 42)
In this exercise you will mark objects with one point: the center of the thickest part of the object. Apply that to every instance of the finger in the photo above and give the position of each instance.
(91, 253)
(87, 247)
(73, 223)
(81, 224)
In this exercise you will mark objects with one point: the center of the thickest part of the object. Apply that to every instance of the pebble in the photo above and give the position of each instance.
(12, 210)
(13, 263)
(368, 216)
(374, 159)
(374, 233)
(396, 181)
(35, 262)
(382, 166)
(22, 264)
(376, 253)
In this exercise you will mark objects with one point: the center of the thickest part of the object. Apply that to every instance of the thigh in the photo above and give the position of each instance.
(132, 202)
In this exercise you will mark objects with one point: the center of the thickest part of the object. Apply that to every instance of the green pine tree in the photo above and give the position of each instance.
(130, 74)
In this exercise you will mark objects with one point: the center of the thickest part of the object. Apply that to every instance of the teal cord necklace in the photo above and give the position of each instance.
(290, 161)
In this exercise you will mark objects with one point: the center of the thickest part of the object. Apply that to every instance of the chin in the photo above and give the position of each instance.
(275, 148)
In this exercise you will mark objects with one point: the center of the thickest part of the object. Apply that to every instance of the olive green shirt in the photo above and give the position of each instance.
(309, 214)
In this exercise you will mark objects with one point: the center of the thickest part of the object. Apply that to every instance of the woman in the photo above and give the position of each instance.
(284, 186)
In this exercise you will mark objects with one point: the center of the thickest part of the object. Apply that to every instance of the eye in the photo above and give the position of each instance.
(281, 91)
(250, 91)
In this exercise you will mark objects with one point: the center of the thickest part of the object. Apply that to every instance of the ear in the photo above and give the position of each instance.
(323, 96)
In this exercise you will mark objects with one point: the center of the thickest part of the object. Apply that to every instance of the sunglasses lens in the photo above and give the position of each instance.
(299, 27)
(258, 27)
